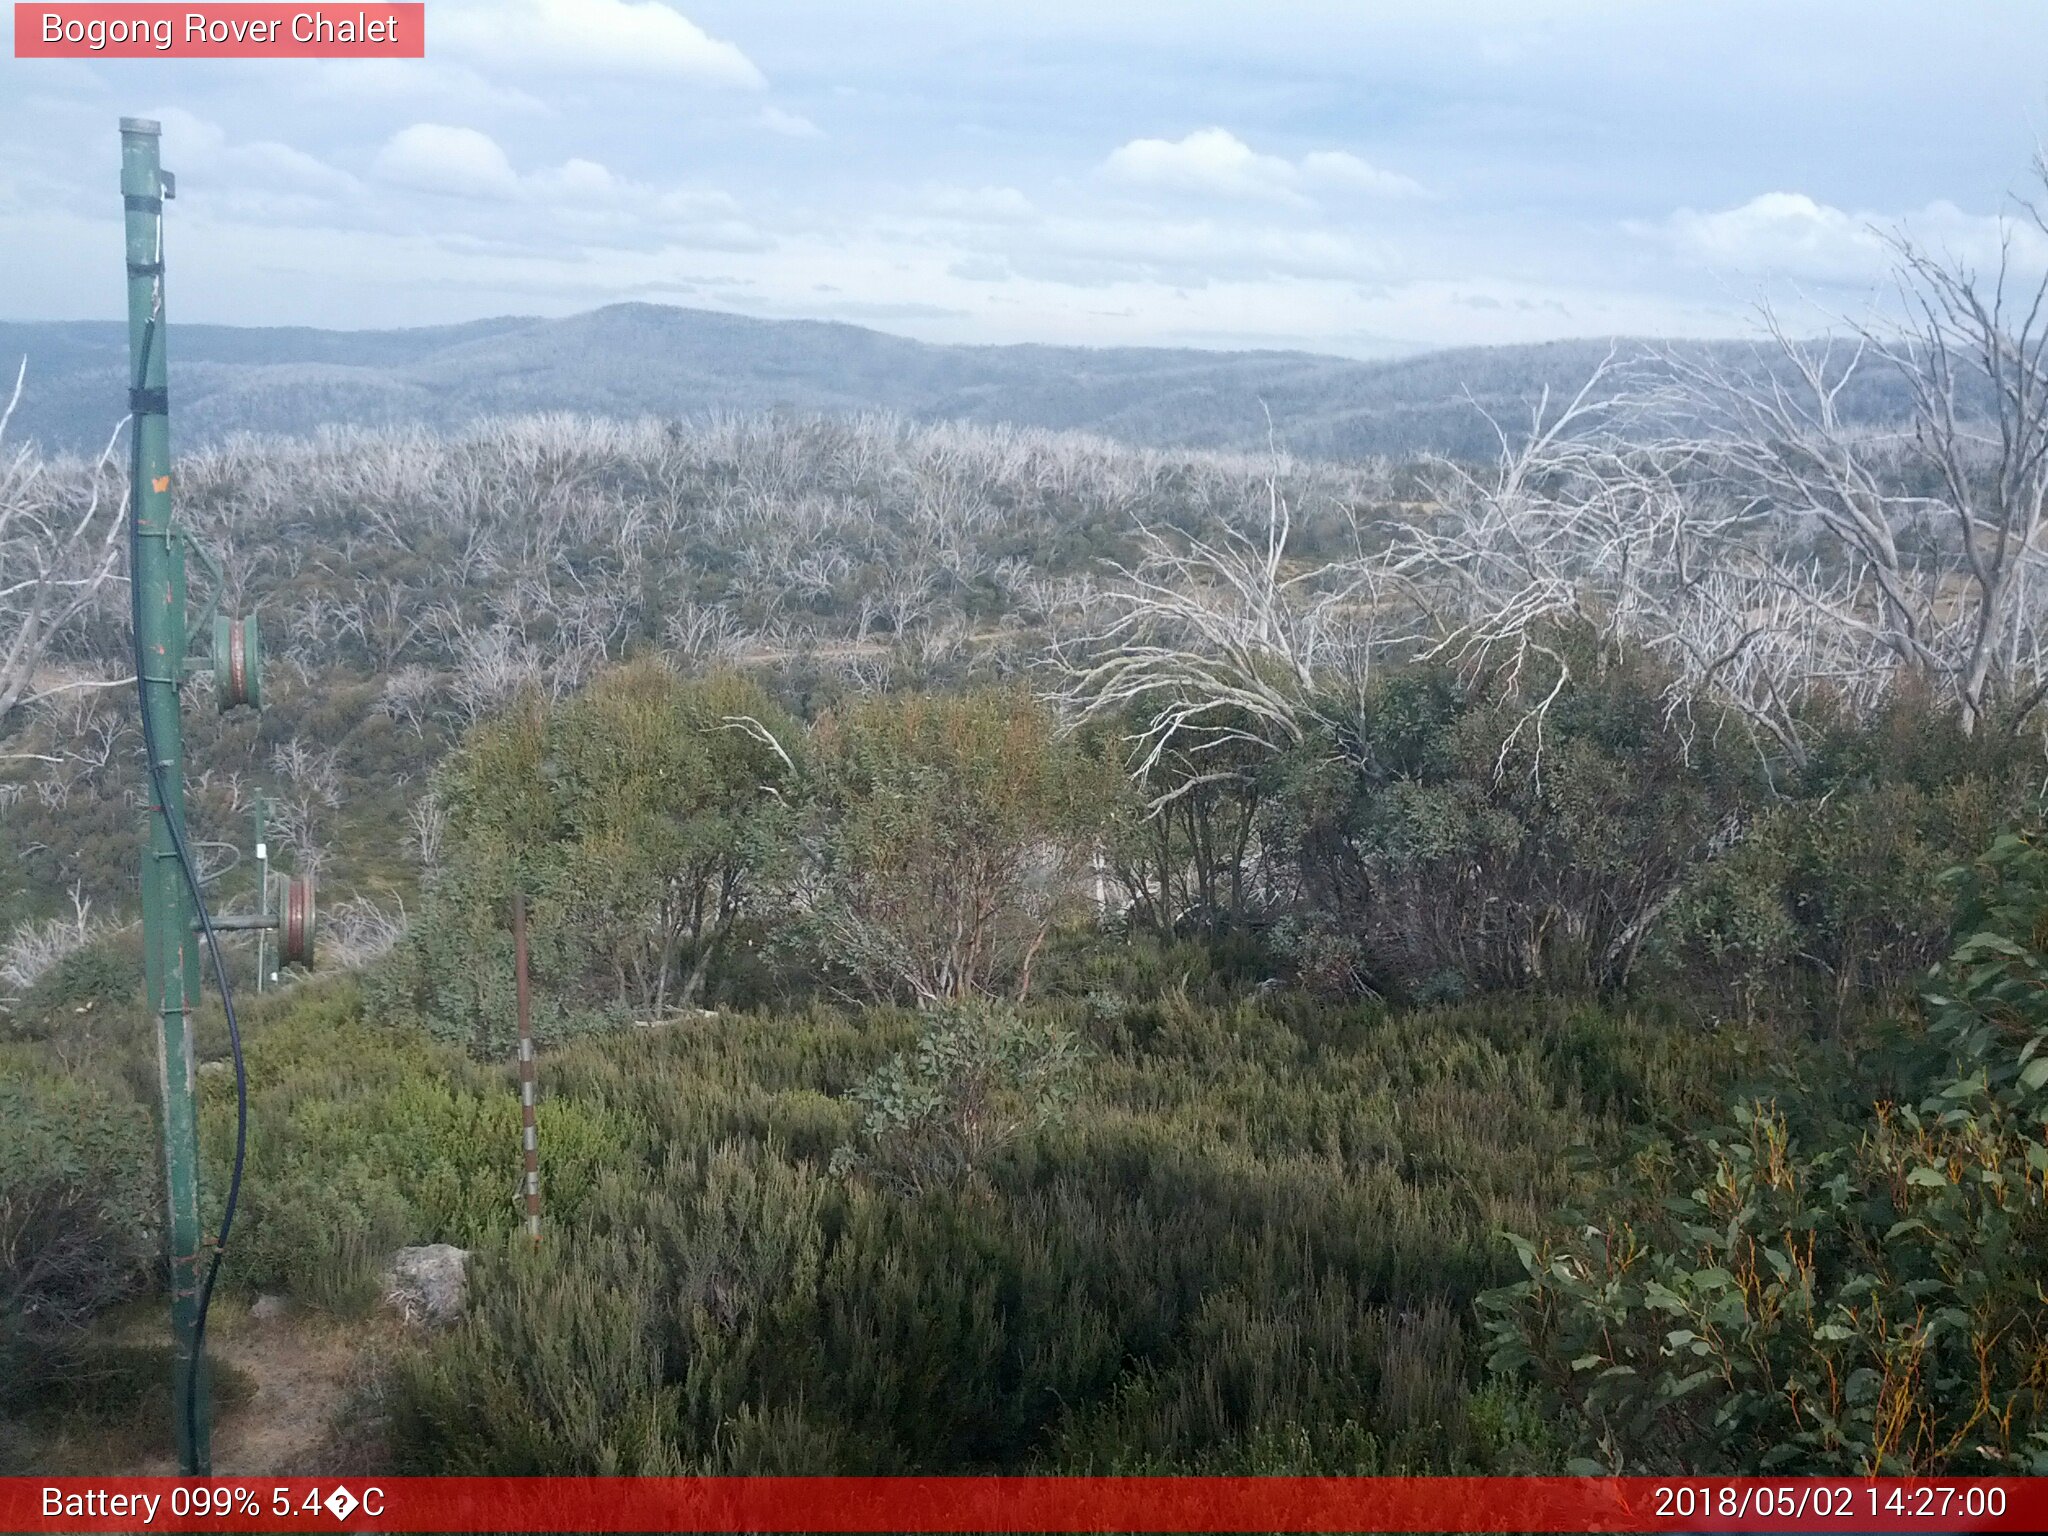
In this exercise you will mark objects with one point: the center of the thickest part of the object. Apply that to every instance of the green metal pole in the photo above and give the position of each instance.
(170, 948)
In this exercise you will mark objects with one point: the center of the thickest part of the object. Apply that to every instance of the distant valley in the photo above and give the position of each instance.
(634, 360)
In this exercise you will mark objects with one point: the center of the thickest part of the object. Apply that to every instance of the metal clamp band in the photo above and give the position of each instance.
(149, 402)
(137, 204)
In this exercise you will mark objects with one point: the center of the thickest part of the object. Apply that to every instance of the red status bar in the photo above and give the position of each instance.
(919, 1504)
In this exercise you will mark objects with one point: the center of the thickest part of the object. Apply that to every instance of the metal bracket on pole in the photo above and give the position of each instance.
(215, 581)
(294, 922)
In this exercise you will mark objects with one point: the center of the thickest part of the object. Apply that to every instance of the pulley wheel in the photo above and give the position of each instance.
(295, 926)
(237, 663)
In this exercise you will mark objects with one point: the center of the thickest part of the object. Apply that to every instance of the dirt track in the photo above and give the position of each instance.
(294, 1405)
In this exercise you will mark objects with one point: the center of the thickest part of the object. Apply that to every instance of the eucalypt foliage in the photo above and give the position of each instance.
(1829, 1288)
(978, 1077)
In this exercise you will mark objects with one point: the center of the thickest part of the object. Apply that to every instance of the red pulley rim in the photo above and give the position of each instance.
(297, 945)
(238, 665)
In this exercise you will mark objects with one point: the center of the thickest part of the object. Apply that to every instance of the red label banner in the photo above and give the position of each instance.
(217, 31)
(1053, 1504)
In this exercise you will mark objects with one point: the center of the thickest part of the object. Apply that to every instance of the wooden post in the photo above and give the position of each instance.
(262, 896)
(531, 1136)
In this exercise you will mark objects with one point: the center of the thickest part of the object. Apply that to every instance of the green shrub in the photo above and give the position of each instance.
(90, 999)
(1808, 1291)
(954, 833)
(977, 1079)
(364, 1139)
(646, 819)
(1833, 904)
(1455, 840)
(1248, 1243)
(77, 1218)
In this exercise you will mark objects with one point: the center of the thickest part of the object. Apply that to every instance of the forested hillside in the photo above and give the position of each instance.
(632, 360)
(1057, 955)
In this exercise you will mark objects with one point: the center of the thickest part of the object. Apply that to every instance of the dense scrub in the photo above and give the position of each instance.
(1831, 1277)
(1145, 993)
(1208, 1233)
(411, 585)
(77, 1218)
(1150, 1182)
(691, 839)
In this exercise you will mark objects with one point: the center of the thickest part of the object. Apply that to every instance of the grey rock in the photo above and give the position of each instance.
(428, 1286)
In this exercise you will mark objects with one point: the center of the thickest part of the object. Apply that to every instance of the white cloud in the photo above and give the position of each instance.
(705, 220)
(1337, 168)
(206, 154)
(1779, 232)
(1794, 235)
(687, 203)
(574, 181)
(1210, 160)
(577, 203)
(406, 276)
(1196, 251)
(362, 84)
(460, 162)
(791, 125)
(978, 205)
(188, 135)
(1216, 162)
(630, 37)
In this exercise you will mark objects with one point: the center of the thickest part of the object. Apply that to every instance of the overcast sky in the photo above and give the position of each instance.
(1357, 176)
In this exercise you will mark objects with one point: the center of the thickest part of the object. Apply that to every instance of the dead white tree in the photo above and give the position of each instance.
(1597, 520)
(491, 667)
(357, 931)
(1220, 639)
(428, 823)
(1914, 553)
(408, 696)
(60, 548)
(33, 948)
(1507, 553)
(1984, 337)
(312, 779)
(694, 633)
(1732, 516)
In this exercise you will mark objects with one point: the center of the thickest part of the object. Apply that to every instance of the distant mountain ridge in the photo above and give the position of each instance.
(647, 359)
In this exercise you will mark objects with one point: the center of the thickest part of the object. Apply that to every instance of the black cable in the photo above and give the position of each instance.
(192, 883)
